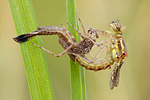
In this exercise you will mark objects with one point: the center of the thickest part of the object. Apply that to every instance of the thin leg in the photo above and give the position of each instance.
(98, 55)
(77, 55)
(68, 34)
(65, 51)
(82, 36)
(91, 54)
(103, 43)
(88, 27)
(82, 27)
(105, 33)
(92, 30)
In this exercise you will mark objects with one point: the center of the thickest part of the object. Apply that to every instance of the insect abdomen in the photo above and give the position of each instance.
(23, 38)
(44, 30)
(104, 64)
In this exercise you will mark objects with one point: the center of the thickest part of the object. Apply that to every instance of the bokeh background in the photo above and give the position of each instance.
(135, 73)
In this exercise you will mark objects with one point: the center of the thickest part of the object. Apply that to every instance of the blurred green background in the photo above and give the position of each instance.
(135, 73)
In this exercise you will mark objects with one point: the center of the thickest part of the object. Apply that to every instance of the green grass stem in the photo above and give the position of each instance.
(77, 72)
(36, 68)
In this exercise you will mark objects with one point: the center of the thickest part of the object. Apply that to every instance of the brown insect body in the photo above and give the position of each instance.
(66, 39)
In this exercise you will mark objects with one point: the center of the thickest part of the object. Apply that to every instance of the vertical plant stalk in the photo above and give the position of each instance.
(77, 72)
(37, 73)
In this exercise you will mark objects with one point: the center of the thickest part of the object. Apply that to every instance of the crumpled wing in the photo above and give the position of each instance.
(114, 77)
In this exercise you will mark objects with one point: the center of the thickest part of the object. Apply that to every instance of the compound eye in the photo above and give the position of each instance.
(113, 22)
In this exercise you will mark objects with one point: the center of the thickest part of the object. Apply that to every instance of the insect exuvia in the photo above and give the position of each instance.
(115, 47)
(66, 40)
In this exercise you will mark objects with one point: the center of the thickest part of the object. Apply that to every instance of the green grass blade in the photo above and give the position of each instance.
(39, 82)
(77, 73)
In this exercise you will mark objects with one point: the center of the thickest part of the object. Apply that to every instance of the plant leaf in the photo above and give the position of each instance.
(77, 72)
(38, 77)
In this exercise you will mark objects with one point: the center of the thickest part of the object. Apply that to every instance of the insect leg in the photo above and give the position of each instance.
(91, 54)
(99, 44)
(79, 56)
(82, 26)
(103, 43)
(98, 54)
(62, 53)
(105, 33)
(68, 34)
(82, 36)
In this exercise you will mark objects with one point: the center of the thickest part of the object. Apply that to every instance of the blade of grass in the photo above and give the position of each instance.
(39, 82)
(77, 73)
